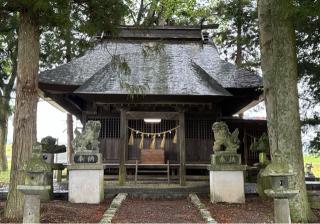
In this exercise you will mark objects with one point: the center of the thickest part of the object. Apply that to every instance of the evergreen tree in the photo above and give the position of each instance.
(237, 36)
(307, 25)
(280, 76)
(168, 12)
(8, 71)
(34, 17)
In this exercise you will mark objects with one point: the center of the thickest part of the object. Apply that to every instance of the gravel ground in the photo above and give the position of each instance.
(254, 210)
(136, 210)
(65, 212)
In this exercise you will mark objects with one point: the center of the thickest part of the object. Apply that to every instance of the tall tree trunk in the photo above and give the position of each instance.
(4, 114)
(279, 66)
(150, 18)
(69, 136)
(67, 35)
(239, 23)
(5, 103)
(140, 13)
(25, 109)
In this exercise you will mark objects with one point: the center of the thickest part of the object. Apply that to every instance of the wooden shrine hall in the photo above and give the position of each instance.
(156, 91)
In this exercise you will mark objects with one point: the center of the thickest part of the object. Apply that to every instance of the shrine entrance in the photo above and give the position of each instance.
(155, 139)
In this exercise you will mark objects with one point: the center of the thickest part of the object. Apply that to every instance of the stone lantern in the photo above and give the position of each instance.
(49, 148)
(280, 192)
(37, 173)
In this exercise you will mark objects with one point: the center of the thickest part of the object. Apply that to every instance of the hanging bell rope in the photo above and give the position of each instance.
(175, 137)
(141, 142)
(163, 141)
(131, 139)
(153, 142)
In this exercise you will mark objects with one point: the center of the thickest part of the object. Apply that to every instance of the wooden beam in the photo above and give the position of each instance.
(123, 146)
(182, 148)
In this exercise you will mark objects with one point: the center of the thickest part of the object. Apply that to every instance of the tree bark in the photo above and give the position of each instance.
(239, 23)
(5, 97)
(150, 18)
(67, 35)
(279, 66)
(139, 17)
(25, 109)
(4, 114)
(69, 136)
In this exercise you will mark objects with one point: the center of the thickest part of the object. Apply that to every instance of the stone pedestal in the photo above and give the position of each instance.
(86, 183)
(227, 184)
(226, 178)
(281, 203)
(31, 210)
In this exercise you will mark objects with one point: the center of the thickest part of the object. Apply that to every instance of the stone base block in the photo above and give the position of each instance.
(86, 186)
(227, 186)
(31, 211)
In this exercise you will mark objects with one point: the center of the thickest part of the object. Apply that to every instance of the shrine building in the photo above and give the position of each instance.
(157, 92)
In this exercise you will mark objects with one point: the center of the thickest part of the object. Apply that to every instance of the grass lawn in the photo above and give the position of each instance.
(315, 163)
(5, 176)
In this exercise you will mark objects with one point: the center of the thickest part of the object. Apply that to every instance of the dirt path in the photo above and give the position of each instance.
(135, 210)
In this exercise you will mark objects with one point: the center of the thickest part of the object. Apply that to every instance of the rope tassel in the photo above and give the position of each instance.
(141, 142)
(131, 139)
(153, 143)
(163, 142)
(175, 137)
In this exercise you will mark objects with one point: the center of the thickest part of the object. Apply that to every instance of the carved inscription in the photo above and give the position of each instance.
(85, 158)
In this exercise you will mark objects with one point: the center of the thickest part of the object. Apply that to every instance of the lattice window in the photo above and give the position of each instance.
(110, 126)
(200, 129)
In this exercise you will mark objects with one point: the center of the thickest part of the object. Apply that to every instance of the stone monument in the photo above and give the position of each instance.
(226, 171)
(86, 183)
(37, 174)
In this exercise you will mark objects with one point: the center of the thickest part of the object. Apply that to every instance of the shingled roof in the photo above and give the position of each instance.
(183, 66)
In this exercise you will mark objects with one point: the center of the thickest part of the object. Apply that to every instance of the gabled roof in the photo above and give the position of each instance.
(180, 67)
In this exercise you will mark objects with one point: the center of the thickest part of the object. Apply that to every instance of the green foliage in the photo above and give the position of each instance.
(315, 160)
(102, 15)
(151, 50)
(120, 65)
(5, 175)
(307, 24)
(261, 145)
(8, 55)
(232, 14)
(238, 20)
(314, 146)
(171, 12)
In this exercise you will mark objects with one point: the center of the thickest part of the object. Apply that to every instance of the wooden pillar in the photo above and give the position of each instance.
(245, 146)
(182, 148)
(123, 145)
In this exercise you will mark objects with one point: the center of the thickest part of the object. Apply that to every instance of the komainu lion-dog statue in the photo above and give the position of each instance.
(224, 140)
(88, 139)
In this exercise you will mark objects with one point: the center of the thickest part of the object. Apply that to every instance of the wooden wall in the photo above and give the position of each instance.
(199, 138)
